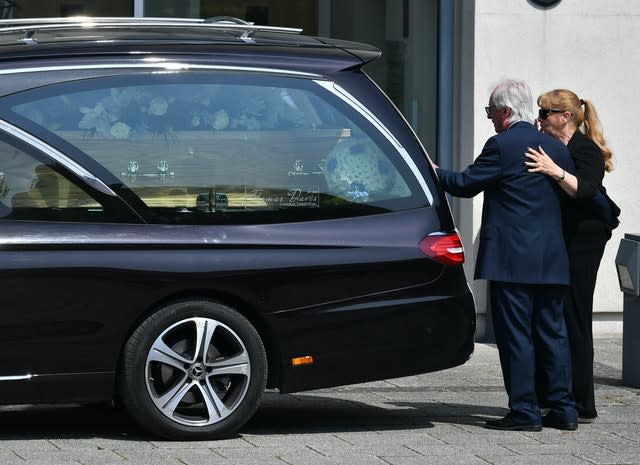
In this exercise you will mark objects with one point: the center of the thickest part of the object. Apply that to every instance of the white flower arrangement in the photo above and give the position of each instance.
(105, 119)
(131, 112)
(120, 130)
(97, 119)
(220, 120)
(158, 106)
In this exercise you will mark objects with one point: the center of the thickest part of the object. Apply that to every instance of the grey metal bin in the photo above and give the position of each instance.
(628, 268)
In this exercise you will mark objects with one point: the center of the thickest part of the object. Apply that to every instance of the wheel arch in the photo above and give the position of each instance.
(237, 303)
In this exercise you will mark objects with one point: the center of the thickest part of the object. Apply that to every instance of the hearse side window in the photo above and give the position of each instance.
(33, 190)
(226, 148)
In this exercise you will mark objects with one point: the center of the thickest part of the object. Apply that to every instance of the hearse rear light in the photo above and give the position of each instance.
(443, 248)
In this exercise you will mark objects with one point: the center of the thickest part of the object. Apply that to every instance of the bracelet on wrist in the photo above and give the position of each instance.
(561, 178)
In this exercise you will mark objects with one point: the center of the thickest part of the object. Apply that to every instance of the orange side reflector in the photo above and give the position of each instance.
(306, 360)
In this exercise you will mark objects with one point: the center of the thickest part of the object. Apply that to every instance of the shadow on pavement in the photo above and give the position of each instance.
(307, 414)
(278, 414)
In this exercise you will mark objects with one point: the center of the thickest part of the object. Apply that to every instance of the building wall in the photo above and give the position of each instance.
(590, 47)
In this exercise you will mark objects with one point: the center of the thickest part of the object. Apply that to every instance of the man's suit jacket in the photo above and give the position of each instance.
(521, 237)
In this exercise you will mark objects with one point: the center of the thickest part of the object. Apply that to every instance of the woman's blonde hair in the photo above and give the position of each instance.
(565, 100)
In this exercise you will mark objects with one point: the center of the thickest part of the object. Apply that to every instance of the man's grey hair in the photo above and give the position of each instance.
(517, 96)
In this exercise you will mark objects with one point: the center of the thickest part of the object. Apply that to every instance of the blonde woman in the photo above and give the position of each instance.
(574, 121)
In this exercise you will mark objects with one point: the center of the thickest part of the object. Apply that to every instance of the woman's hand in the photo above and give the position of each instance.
(539, 162)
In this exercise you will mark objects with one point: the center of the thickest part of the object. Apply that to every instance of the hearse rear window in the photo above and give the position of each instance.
(224, 147)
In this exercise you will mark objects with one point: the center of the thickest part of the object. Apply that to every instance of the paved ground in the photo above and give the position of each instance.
(428, 419)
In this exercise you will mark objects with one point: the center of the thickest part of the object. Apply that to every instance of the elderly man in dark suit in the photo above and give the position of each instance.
(522, 253)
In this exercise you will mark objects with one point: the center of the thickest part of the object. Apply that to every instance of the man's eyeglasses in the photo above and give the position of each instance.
(489, 109)
(543, 113)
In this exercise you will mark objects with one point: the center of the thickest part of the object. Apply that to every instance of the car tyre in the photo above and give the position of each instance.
(193, 370)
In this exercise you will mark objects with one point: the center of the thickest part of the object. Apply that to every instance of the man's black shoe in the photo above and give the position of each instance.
(551, 422)
(507, 424)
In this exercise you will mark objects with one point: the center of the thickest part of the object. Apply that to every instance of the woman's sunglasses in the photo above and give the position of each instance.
(543, 113)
